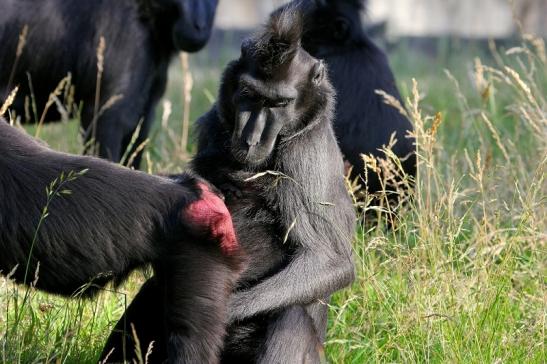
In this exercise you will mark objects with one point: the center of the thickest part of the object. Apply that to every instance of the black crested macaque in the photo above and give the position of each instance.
(269, 144)
(62, 36)
(113, 221)
(334, 33)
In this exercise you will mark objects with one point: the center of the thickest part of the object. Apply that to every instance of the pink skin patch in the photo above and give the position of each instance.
(210, 214)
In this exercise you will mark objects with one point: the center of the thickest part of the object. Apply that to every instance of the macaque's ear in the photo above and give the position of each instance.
(318, 73)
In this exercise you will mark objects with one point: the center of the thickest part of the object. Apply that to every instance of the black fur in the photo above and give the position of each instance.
(290, 207)
(141, 37)
(334, 32)
(113, 221)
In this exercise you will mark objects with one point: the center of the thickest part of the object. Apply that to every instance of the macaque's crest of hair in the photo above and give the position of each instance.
(279, 41)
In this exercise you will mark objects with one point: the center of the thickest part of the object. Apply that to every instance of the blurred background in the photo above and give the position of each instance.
(416, 18)
(431, 25)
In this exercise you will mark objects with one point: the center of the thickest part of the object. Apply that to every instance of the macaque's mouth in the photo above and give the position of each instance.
(250, 155)
(255, 135)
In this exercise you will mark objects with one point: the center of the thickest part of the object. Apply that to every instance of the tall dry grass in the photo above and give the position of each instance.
(459, 276)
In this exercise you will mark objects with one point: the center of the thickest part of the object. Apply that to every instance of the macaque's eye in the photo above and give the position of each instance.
(250, 96)
(277, 103)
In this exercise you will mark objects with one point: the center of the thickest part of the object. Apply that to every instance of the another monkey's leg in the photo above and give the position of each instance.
(292, 339)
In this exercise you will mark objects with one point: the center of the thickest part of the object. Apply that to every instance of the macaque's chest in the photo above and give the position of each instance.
(259, 233)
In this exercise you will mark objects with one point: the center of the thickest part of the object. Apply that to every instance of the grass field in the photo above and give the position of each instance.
(460, 277)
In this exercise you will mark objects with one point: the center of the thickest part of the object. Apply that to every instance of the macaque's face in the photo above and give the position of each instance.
(269, 105)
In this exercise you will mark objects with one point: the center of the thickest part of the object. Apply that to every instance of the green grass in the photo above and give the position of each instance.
(460, 275)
